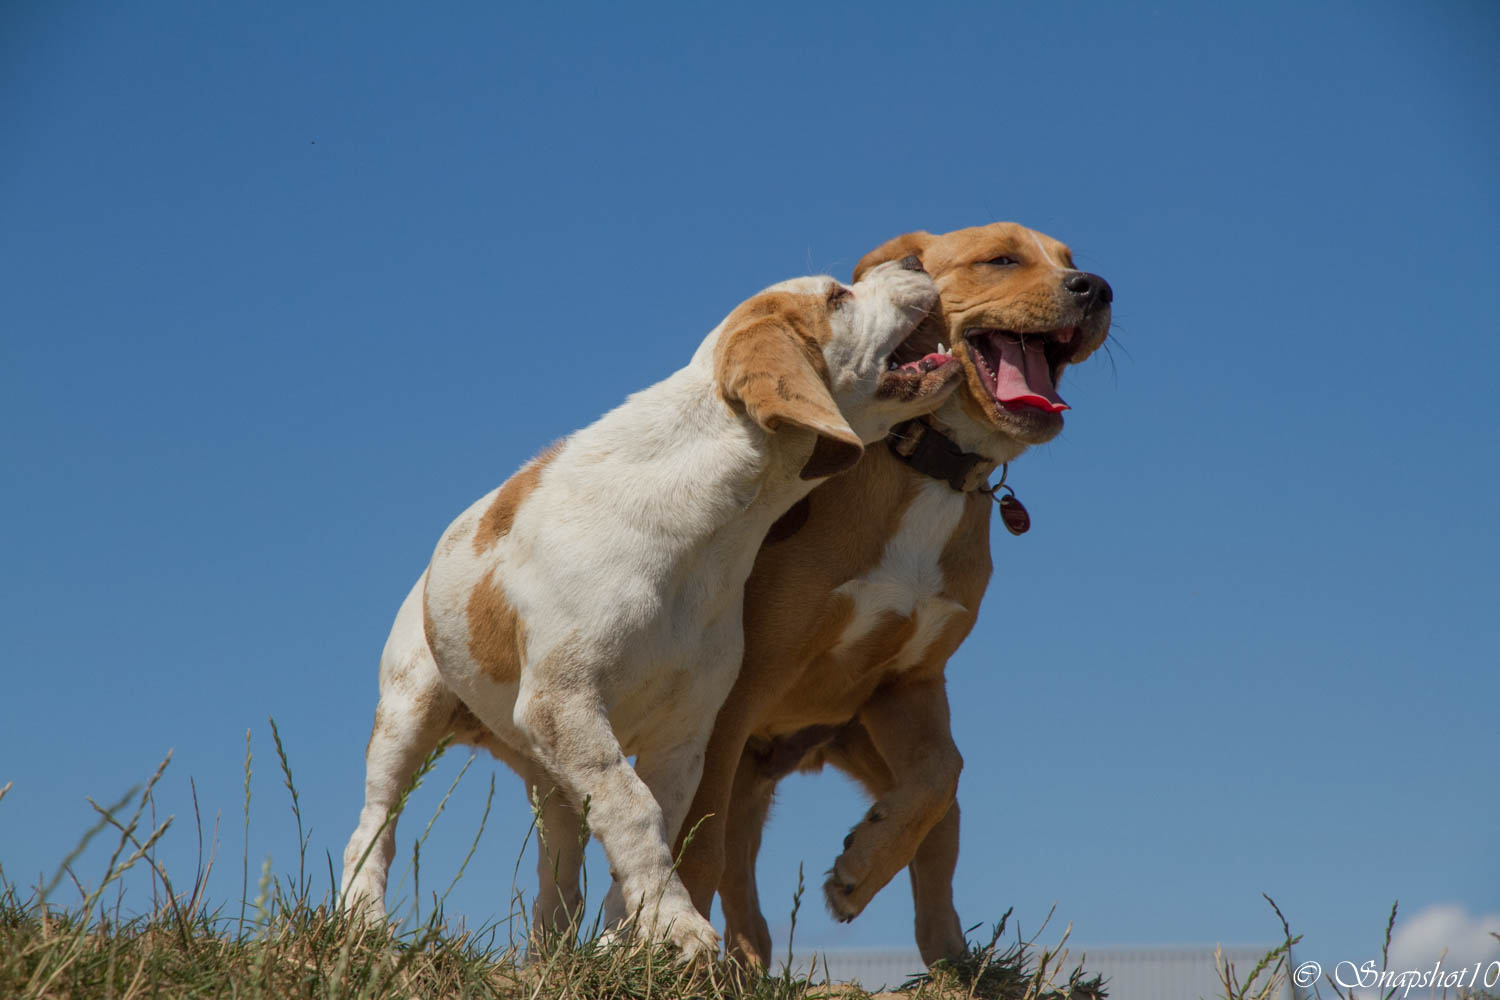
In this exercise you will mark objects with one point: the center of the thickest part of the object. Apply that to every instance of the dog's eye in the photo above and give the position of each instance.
(1003, 261)
(838, 294)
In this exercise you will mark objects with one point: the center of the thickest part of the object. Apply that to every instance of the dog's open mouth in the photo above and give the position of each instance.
(924, 364)
(916, 379)
(920, 365)
(1020, 369)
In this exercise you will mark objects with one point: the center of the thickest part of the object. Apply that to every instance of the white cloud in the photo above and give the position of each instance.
(1418, 942)
(1444, 933)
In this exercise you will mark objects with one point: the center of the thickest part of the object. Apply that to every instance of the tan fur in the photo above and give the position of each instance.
(894, 736)
(497, 638)
(497, 519)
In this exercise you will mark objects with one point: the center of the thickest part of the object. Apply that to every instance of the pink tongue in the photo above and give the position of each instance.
(1022, 376)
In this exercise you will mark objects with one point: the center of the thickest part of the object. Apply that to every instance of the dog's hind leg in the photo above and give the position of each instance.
(561, 837)
(746, 934)
(940, 934)
(415, 712)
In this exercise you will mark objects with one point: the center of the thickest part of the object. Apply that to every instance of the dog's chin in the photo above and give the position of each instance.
(1024, 425)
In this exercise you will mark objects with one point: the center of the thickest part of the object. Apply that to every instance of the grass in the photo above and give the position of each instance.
(289, 940)
(1019, 968)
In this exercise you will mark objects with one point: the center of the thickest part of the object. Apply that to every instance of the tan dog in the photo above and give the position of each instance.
(865, 589)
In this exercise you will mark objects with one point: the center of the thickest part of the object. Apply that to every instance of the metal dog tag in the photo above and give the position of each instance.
(1014, 515)
(1012, 512)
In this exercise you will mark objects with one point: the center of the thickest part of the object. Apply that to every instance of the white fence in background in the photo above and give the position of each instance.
(1185, 973)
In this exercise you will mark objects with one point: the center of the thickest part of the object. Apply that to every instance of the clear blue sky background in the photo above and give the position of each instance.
(284, 289)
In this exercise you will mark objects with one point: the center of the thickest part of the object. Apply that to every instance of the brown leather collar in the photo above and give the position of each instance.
(931, 452)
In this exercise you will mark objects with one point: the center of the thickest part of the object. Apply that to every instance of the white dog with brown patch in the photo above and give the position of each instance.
(590, 608)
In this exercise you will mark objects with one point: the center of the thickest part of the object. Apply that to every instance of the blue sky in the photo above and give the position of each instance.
(286, 289)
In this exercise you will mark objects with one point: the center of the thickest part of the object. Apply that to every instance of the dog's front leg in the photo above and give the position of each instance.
(909, 726)
(570, 733)
(672, 775)
(939, 932)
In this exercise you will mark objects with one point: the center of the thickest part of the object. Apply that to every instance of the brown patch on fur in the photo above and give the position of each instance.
(497, 520)
(769, 360)
(497, 639)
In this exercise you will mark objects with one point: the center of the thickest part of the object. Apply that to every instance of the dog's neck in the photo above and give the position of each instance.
(955, 423)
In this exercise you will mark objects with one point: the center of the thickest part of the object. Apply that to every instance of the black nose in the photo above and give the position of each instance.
(911, 262)
(1090, 289)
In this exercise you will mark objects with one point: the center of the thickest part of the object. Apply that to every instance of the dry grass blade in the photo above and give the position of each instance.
(245, 859)
(80, 847)
(291, 786)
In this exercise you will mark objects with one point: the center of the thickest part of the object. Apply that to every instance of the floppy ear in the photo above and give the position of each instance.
(901, 246)
(767, 360)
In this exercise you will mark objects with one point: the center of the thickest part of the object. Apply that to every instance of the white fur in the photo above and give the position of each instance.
(908, 578)
(626, 568)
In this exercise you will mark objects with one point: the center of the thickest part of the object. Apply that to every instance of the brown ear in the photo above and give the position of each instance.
(769, 361)
(901, 246)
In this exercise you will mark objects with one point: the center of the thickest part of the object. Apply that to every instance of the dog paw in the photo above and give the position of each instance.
(846, 890)
(365, 903)
(693, 937)
(841, 893)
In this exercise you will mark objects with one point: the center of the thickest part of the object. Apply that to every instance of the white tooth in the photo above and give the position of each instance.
(941, 349)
